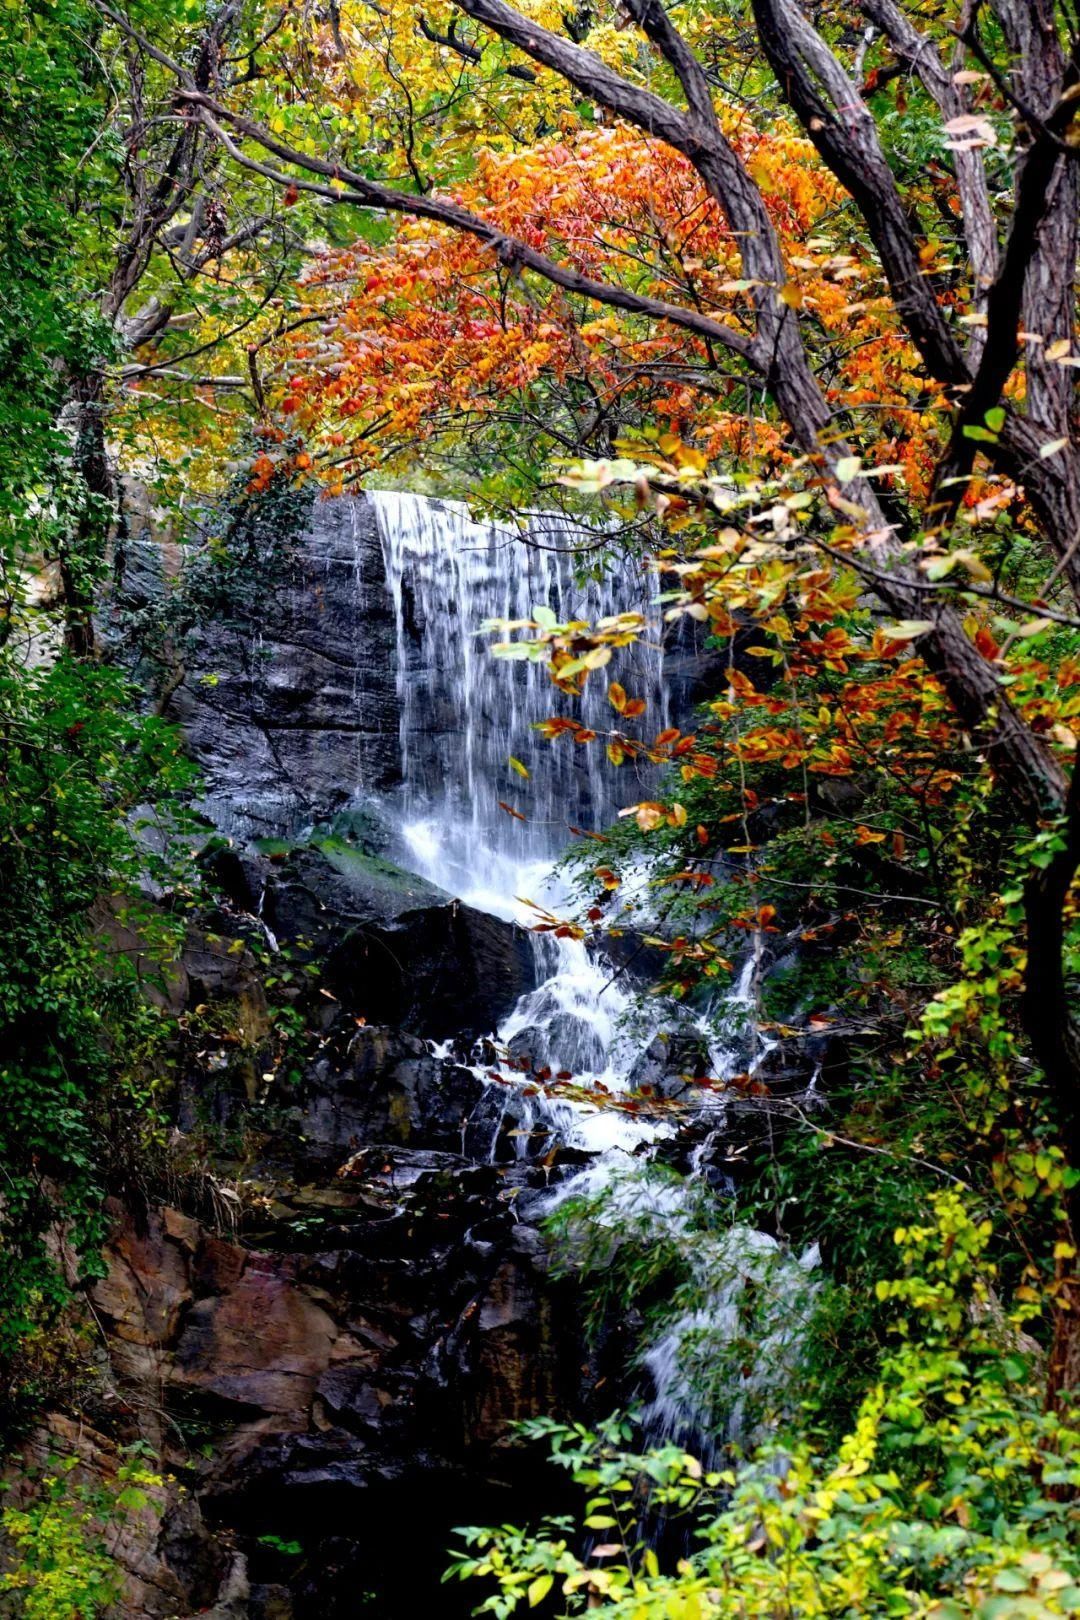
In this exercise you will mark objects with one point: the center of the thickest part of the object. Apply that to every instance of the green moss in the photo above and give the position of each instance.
(273, 846)
(372, 872)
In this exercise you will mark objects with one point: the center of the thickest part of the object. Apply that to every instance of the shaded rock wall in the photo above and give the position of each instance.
(331, 1380)
(366, 1340)
(292, 708)
(389, 945)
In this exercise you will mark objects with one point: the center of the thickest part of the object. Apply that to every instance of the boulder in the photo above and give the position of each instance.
(564, 1041)
(670, 1065)
(393, 948)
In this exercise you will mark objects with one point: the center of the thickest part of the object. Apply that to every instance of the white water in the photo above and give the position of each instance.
(701, 1362)
(463, 714)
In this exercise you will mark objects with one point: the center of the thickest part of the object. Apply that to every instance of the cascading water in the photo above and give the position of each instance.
(463, 715)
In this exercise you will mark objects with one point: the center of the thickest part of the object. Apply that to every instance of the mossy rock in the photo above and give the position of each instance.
(375, 878)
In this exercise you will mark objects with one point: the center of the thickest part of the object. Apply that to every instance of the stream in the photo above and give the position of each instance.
(449, 575)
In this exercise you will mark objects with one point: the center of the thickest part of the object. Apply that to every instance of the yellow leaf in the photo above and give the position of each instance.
(974, 565)
(516, 765)
(539, 1589)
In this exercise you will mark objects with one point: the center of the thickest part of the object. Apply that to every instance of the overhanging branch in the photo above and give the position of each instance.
(347, 186)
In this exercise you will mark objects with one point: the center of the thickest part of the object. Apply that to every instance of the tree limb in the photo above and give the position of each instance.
(351, 187)
(917, 53)
(834, 116)
(1005, 302)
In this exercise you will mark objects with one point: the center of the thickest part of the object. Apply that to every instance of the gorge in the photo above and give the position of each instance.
(539, 813)
(331, 1369)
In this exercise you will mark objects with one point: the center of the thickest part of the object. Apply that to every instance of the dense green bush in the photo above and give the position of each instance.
(952, 1496)
(75, 1025)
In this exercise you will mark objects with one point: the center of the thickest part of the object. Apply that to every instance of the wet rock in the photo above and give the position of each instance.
(670, 1065)
(391, 1089)
(146, 1291)
(263, 1344)
(510, 1379)
(694, 671)
(565, 1041)
(235, 1590)
(271, 1601)
(405, 1354)
(393, 948)
(288, 711)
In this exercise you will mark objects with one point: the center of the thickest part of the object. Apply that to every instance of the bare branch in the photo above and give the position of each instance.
(470, 53)
(834, 116)
(917, 53)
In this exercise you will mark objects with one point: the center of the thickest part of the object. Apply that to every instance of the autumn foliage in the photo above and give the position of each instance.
(425, 335)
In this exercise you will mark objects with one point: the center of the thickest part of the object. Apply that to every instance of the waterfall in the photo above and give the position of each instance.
(463, 715)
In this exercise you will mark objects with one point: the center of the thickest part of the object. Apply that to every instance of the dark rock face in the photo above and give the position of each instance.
(695, 672)
(670, 1065)
(390, 946)
(291, 712)
(393, 948)
(332, 1381)
(390, 1090)
(364, 1344)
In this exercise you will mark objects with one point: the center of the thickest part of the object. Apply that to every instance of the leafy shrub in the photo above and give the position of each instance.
(61, 1566)
(953, 1494)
